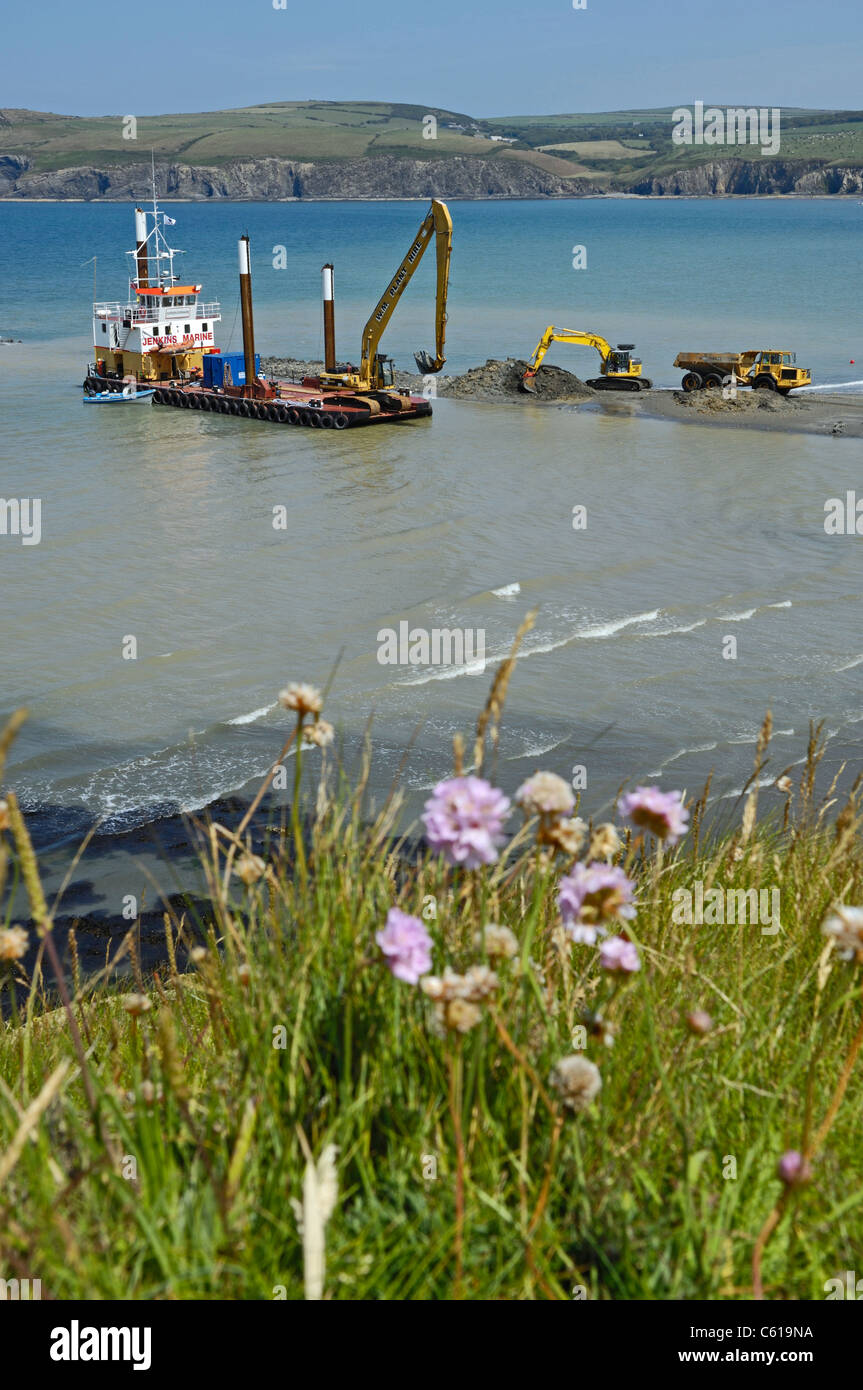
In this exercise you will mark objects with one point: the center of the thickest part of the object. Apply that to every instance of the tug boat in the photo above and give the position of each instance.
(163, 331)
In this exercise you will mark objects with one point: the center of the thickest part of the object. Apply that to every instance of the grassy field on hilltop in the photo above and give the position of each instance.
(405, 1055)
(611, 147)
(290, 130)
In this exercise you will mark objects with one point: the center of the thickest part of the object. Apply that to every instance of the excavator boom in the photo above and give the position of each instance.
(438, 224)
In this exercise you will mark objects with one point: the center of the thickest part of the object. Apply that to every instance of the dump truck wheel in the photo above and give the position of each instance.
(713, 382)
(692, 382)
(765, 383)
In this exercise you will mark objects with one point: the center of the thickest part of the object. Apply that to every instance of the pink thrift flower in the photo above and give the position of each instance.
(619, 955)
(406, 946)
(593, 894)
(793, 1169)
(464, 819)
(662, 813)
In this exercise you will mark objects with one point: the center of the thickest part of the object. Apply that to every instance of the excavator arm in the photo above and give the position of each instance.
(438, 224)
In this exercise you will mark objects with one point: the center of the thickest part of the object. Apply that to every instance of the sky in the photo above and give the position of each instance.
(486, 58)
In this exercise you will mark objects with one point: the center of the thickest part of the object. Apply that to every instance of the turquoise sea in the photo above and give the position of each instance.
(158, 524)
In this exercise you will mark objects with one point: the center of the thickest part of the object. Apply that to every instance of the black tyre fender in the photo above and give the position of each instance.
(340, 421)
(280, 414)
(294, 417)
(327, 420)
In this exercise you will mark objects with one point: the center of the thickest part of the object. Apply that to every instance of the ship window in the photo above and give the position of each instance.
(104, 328)
(204, 327)
(188, 328)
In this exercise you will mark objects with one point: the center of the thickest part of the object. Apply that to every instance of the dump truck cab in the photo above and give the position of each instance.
(777, 370)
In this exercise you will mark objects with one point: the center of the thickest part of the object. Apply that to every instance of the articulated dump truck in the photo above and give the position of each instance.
(763, 369)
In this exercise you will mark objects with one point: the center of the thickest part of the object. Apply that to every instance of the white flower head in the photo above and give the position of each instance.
(304, 699)
(844, 927)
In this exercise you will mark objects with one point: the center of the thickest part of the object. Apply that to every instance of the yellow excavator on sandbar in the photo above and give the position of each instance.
(620, 370)
(375, 371)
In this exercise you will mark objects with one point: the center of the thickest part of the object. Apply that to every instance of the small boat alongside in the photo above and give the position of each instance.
(92, 397)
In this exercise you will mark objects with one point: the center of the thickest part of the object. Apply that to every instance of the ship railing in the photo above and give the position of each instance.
(139, 313)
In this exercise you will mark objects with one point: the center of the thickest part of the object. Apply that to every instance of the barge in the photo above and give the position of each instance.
(343, 395)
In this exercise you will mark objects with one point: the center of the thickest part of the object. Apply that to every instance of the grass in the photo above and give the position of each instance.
(162, 1153)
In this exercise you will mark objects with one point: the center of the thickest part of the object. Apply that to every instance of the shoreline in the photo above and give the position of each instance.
(497, 383)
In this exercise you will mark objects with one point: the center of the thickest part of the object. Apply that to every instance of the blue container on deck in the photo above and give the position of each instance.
(215, 363)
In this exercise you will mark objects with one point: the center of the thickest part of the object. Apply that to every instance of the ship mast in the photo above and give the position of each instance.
(153, 247)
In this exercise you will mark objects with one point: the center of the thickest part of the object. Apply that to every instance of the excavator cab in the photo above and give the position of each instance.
(383, 370)
(620, 362)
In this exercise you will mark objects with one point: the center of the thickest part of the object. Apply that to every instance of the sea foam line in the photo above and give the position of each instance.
(250, 718)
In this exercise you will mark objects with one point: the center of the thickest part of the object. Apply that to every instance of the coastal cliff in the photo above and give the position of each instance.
(269, 180)
(390, 176)
(751, 177)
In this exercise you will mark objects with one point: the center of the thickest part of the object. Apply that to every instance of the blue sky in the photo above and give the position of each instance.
(489, 57)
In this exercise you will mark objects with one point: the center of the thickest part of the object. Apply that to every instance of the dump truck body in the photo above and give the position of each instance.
(773, 369)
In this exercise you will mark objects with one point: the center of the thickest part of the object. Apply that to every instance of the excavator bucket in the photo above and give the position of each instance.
(528, 382)
(425, 362)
